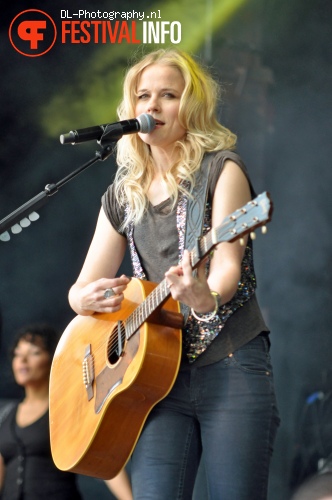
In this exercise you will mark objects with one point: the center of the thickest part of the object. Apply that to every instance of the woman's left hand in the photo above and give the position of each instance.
(192, 290)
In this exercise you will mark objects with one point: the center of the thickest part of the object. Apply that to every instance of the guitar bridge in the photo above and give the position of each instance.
(88, 372)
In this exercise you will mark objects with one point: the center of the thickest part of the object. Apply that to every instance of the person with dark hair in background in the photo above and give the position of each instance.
(223, 399)
(27, 470)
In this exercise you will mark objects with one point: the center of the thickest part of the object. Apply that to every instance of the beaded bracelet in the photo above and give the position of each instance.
(207, 317)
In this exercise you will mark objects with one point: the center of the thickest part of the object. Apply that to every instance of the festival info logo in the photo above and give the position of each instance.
(32, 33)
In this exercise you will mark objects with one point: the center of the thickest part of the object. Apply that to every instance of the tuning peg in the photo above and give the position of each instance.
(253, 235)
(241, 242)
(264, 229)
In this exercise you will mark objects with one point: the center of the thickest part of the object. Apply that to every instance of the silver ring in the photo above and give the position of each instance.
(109, 292)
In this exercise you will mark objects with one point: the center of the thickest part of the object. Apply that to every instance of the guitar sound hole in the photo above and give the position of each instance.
(116, 343)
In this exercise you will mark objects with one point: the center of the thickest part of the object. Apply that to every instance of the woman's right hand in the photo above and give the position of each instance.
(89, 298)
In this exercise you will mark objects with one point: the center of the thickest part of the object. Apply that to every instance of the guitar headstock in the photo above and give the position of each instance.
(256, 213)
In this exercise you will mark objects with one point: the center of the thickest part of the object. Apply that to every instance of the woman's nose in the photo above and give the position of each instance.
(153, 105)
(22, 358)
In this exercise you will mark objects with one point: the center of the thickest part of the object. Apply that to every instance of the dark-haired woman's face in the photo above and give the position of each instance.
(31, 364)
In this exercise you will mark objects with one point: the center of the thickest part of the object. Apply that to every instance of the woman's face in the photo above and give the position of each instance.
(31, 363)
(159, 92)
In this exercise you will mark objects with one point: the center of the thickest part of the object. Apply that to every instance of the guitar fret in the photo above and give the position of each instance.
(205, 246)
(144, 310)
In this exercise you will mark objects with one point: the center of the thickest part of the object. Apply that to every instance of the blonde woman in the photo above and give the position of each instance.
(222, 401)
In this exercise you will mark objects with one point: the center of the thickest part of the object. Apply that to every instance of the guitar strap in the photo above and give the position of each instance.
(196, 210)
(197, 202)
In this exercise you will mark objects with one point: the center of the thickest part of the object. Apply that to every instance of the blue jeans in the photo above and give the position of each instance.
(226, 410)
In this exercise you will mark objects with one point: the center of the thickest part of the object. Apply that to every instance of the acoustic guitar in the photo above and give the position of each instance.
(110, 369)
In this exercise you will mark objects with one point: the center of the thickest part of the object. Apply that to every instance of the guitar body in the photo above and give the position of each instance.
(99, 401)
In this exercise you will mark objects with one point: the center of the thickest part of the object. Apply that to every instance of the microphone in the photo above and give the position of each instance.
(110, 132)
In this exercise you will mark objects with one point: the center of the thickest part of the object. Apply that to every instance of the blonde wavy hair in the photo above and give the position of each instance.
(197, 114)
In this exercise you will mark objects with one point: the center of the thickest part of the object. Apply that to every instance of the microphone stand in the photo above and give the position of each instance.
(25, 214)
